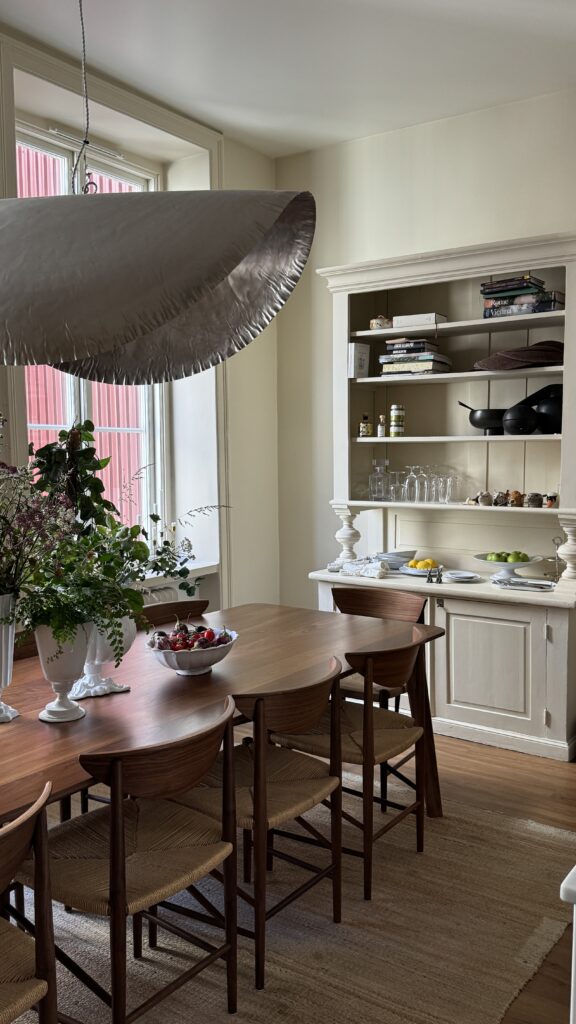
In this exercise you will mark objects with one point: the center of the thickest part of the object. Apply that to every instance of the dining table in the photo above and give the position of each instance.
(276, 649)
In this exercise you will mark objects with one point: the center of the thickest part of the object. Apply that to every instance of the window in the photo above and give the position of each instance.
(126, 418)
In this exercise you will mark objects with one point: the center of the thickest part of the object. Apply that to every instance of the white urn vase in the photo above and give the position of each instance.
(6, 655)
(92, 683)
(61, 665)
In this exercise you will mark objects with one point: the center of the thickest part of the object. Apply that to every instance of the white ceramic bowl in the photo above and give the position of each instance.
(506, 568)
(198, 662)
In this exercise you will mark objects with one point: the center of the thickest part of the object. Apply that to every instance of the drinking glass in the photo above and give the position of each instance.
(423, 484)
(396, 487)
(452, 489)
(411, 489)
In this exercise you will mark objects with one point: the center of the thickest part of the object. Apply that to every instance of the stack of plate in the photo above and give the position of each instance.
(461, 576)
(395, 559)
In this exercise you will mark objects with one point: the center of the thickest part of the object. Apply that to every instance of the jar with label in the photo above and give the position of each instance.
(381, 426)
(365, 427)
(397, 420)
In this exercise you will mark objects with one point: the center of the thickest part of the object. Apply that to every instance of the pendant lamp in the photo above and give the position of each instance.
(146, 287)
(142, 288)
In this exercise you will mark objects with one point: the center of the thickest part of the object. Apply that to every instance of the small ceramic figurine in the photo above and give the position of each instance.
(499, 498)
(484, 498)
(514, 499)
(534, 500)
(550, 500)
(471, 501)
(429, 577)
(379, 322)
(439, 574)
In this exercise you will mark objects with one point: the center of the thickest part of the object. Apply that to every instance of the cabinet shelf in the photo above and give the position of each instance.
(456, 378)
(455, 506)
(468, 438)
(494, 325)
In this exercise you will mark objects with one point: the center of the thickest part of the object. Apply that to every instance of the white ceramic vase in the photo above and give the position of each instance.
(61, 669)
(6, 655)
(93, 683)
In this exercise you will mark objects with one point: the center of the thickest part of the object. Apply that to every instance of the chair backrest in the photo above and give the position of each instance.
(380, 604)
(166, 768)
(170, 611)
(16, 838)
(298, 706)
(387, 668)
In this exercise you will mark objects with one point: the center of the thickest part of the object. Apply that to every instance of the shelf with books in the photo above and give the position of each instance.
(468, 438)
(526, 321)
(455, 378)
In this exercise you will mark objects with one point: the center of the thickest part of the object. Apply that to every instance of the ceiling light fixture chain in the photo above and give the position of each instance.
(89, 185)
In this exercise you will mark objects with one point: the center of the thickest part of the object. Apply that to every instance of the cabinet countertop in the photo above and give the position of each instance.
(481, 591)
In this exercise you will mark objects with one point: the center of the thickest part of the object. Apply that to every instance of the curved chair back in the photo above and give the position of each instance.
(168, 767)
(390, 668)
(380, 604)
(169, 611)
(17, 838)
(297, 708)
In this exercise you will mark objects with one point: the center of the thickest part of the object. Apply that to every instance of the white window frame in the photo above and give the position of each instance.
(78, 393)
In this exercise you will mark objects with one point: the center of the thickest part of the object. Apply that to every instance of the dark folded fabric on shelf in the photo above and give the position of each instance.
(542, 353)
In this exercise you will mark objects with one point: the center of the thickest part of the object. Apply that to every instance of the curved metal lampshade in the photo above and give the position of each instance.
(146, 287)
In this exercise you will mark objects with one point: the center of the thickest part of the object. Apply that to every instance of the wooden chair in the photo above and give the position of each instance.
(380, 604)
(27, 965)
(371, 736)
(157, 615)
(170, 611)
(275, 786)
(144, 849)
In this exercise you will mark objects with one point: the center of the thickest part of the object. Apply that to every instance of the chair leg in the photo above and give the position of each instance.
(118, 965)
(270, 851)
(230, 914)
(336, 851)
(397, 704)
(65, 808)
(260, 903)
(137, 935)
(152, 928)
(247, 854)
(65, 815)
(84, 804)
(367, 825)
(420, 795)
(383, 703)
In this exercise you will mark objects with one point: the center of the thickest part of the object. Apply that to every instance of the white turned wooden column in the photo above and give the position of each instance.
(347, 536)
(567, 550)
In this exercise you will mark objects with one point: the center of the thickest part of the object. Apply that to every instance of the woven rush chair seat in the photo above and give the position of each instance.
(295, 784)
(20, 989)
(168, 847)
(393, 734)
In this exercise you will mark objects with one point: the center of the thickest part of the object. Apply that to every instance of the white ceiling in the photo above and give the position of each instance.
(287, 75)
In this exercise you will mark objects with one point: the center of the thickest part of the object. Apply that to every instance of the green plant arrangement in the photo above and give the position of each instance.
(70, 466)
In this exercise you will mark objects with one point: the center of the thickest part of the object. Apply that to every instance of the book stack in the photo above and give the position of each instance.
(413, 355)
(513, 296)
(418, 319)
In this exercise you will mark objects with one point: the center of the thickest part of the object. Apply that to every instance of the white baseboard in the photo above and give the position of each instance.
(558, 750)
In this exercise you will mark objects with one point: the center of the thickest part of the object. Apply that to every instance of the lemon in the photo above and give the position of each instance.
(413, 564)
(432, 564)
(423, 564)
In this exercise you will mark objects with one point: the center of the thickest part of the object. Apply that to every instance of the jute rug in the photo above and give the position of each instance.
(450, 937)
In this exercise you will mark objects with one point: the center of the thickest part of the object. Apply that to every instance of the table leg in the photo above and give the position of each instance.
(420, 710)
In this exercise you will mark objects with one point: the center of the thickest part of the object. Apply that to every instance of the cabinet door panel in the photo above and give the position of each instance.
(490, 668)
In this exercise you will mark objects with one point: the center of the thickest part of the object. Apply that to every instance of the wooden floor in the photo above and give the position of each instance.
(521, 786)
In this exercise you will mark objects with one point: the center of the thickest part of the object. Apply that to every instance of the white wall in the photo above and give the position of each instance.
(494, 174)
(252, 429)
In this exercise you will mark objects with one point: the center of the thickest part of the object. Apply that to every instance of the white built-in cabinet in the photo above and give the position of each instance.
(504, 673)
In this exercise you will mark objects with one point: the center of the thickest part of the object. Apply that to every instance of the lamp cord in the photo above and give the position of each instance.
(89, 185)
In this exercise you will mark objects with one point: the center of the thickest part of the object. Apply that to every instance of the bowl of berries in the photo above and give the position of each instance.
(192, 650)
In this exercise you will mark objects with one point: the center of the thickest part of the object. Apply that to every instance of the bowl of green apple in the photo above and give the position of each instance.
(507, 562)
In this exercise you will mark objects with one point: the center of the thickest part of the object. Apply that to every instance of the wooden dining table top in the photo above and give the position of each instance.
(277, 647)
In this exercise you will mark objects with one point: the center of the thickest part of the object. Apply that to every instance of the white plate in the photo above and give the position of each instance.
(459, 576)
(416, 572)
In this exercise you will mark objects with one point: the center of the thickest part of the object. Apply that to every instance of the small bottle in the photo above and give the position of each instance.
(365, 427)
(397, 416)
(381, 427)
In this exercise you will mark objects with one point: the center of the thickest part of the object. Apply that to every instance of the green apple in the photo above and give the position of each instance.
(515, 556)
(492, 556)
(524, 557)
(503, 556)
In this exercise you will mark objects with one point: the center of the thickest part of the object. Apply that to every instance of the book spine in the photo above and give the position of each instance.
(521, 280)
(415, 357)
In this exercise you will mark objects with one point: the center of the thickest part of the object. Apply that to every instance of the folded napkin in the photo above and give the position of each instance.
(372, 568)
